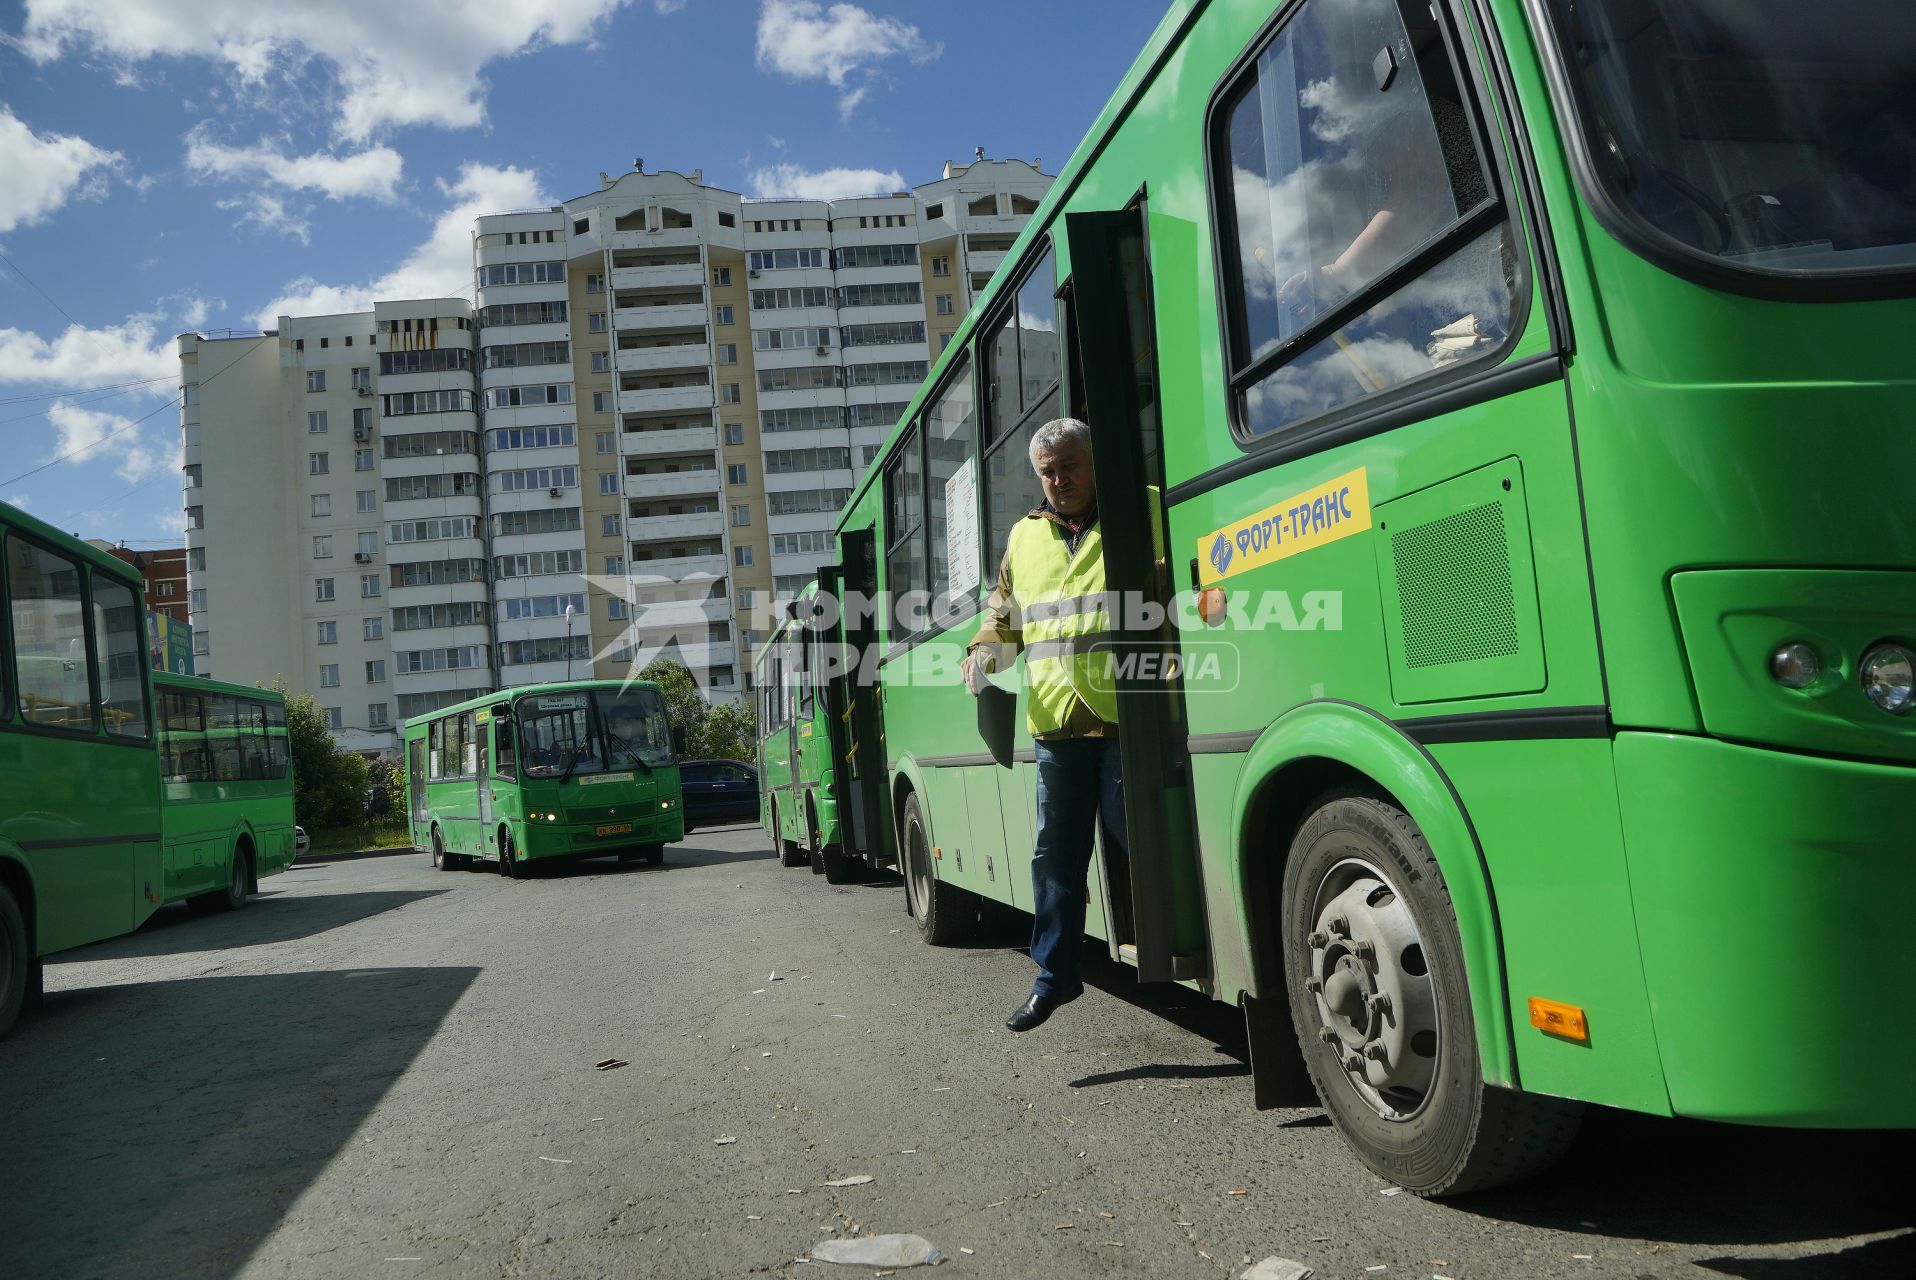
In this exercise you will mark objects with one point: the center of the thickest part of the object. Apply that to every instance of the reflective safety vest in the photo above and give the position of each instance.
(1062, 599)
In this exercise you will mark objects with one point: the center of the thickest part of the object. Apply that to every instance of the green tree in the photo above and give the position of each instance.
(726, 731)
(730, 732)
(329, 785)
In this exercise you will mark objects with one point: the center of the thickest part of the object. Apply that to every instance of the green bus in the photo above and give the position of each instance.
(802, 713)
(576, 769)
(226, 789)
(80, 823)
(1501, 417)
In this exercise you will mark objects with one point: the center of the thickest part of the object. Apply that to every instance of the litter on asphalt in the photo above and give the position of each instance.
(856, 1180)
(725, 1141)
(610, 1064)
(1275, 1268)
(879, 1251)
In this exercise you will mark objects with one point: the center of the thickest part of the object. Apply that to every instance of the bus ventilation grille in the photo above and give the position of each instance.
(1454, 588)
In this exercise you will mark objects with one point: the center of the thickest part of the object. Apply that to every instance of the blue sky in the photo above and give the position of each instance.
(177, 164)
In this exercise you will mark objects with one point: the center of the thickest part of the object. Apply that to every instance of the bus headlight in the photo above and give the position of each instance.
(1795, 665)
(665, 804)
(1888, 673)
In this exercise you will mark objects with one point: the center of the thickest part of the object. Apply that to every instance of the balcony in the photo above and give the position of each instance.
(694, 615)
(674, 484)
(678, 315)
(984, 262)
(676, 276)
(676, 569)
(652, 444)
(700, 524)
(680, 355)
(670, 238)
(666, 399)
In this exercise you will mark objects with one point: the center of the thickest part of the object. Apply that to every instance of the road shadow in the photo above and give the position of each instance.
(1890, 1258)
(1163, 1071)
(1694, 1182)
(270, 917)
(165, 1128)
(678, 857)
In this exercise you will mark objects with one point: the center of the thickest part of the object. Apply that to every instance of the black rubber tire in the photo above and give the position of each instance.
(510, 867)
(233, 897)
(16, 960)
(654, 853)
(814, 849)
(837, 866)
(790, 852)
(441, 860)
(1466, 1134)
(945, 913)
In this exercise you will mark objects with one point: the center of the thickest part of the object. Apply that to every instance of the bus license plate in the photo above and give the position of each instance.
(613, 829)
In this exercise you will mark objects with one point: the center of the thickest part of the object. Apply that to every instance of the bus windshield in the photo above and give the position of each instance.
(593, 730)
(1767, 134)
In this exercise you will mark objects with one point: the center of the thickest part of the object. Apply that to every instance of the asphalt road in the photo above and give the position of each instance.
(377, 1069)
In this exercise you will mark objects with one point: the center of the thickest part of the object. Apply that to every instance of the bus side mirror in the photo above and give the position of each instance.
(678, 740)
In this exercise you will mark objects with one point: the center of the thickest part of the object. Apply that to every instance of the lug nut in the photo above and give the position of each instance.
(1354, 1065)
(1314, 985)
(1364, 949)
(1375, 1051)
(1318, 939)
(1327, 1035)
(1379, 1003)
(1340, 926)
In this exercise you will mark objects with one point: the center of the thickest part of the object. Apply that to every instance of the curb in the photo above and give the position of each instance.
(349, 856)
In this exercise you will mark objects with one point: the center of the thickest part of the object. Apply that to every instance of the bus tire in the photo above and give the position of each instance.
(16, 959)
(440, 858)
(1374, 969)
(944, 912)
(654, 853)
(790, 852)
(511, 866)
(814, 851)
(233, 897)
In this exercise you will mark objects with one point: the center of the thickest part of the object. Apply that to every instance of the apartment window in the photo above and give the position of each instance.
(362, 374)
(602, 403)
(944, 340)
(329, 633)
(608, 526)
(372, 628)
(728, 393)
(723, 314)
(194, 476)
(595, 322)
(368, 543)
(614, 566)
(741, 516)
(941, 265)
(323, 546)
(728, 220)
(316, 379)
(196, 559)
(609, 482)
(742, 557)
(943, 304)
(580, 226)
(335, 718)
(721, 275)
(376, 715)
(322, 505)
(376, 671)
(735, 473)
(196, 517)
(367, 500)
(324, 343)
(735, 433)
(602, 441)
(595, 284)
(362, 423)
(728, 353)
(329, 676)
(316, 421)
(202, 644)
(318, 464)
(362, 459)
(369, 586)
(615, 609)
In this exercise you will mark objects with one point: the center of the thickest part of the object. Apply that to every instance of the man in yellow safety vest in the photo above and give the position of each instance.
(1050, 601)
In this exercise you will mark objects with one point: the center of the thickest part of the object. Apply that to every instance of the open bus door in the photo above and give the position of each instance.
(857, 740)
(1114, 382)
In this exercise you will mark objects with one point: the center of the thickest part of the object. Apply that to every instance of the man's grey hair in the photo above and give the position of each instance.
(1060, 433)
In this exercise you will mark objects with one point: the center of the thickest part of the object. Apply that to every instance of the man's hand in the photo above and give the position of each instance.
(975, 667)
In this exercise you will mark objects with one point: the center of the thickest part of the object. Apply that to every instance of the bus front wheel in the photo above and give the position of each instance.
(511, 865)
(440, 858)
(944, 911)
(238, 881)
(16, 959)
(1375, 971)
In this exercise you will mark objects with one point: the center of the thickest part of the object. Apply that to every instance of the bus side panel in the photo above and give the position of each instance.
(108, 798)
(1546, 814)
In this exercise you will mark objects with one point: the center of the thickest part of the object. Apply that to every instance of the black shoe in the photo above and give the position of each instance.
(1033, 1012)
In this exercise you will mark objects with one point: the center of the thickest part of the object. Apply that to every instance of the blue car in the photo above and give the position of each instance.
(718, 792)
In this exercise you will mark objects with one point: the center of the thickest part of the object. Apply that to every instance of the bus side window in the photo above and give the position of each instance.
(49, 630)
(505, 759)
(122, 658)
(436, 737)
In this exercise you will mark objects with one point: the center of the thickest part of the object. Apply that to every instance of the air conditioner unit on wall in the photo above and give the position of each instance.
(554, 491)
(362, 557)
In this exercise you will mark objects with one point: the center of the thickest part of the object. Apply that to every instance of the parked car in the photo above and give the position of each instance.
(718, 791)
(301, 841)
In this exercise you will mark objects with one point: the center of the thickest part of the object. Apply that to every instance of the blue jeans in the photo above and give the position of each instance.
(1077, 777)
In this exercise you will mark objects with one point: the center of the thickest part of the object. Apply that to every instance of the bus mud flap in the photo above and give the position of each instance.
(1278, 1076)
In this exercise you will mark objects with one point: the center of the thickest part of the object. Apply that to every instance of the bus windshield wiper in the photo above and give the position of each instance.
(631, 752)
(572, 762)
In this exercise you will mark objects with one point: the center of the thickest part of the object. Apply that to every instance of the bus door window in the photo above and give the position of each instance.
(49, 636)
(435, 751)
(505, 757)
(1021, 374)
(122, 661)
(1352, 161)
(951, 445)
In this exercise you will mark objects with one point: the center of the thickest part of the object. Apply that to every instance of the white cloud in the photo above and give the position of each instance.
(269, 213)
(374, 173)
(439, 268)
(94, 436)
(790, 182)
(83, 357)
(392, 64)
(19, 500)
(668, 6)
(803, 40)
(44, 172)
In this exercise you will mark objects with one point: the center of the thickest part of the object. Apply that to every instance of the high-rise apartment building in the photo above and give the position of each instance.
(632, 442)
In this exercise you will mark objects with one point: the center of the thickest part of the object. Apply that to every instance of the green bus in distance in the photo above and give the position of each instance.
(578, 769)
(80, 825)
(1506, 490)
(226, 789)
(800, 719)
